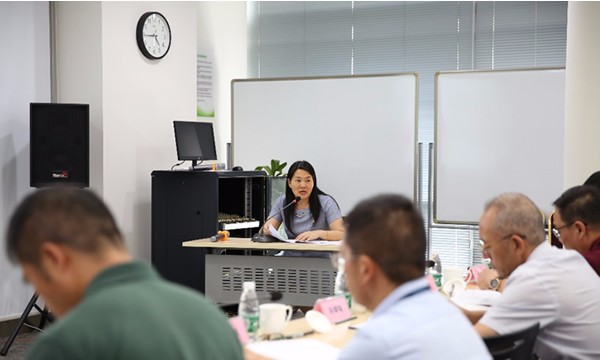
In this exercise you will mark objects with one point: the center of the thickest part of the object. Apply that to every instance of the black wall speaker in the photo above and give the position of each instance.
(59, 144)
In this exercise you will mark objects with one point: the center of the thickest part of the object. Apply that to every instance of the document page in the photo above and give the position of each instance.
(277, 235)
(476, 299)
(293, 349)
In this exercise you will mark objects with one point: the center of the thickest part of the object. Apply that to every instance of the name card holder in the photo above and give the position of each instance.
(335, 308)
(237, 323)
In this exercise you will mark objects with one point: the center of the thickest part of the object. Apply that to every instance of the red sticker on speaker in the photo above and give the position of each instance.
(60, 174)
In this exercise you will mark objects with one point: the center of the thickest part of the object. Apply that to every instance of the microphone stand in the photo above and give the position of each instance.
(262, 238)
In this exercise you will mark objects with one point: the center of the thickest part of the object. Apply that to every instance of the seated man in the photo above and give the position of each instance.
(577, 222)
(109, 306)
(384, 256)
(553, 287)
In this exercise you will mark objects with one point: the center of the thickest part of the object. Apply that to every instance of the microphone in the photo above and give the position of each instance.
(221, 235)
(269, 296)
(262, 238)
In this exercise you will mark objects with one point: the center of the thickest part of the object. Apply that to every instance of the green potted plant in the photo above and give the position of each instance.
(275, 170)
(276, 182)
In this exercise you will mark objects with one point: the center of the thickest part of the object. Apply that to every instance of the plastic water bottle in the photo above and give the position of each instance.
(339, 287)
(248, 309)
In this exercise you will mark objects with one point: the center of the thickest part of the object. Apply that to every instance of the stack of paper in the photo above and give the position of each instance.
(295, 349)
(476, 299)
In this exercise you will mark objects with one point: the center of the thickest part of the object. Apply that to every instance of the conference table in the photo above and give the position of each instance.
(301, 280)
(338, 337)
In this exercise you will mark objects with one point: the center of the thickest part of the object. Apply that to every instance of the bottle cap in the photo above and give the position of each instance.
(249, 285)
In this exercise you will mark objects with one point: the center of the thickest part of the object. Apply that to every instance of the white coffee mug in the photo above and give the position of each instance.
(274, 318)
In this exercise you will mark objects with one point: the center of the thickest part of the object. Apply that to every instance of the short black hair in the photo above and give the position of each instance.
(580, 203)
(390, 230)
(593, 180)
(75, 217)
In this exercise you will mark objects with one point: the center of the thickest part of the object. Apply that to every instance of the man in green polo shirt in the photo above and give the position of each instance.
(109, 306)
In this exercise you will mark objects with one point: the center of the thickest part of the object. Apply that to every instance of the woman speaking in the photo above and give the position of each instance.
(316, 216)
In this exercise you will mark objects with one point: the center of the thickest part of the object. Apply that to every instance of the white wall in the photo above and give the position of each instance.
(24, 78)
(141, 98)
(222, 27)
(79, 70)
(582, 108)
(134, 100)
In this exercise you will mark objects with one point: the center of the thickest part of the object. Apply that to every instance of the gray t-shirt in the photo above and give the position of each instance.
(303, 221)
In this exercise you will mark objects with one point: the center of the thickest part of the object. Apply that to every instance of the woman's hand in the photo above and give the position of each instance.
(309, 235)
(266, 230)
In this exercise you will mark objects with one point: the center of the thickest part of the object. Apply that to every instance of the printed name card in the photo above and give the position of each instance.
(237, 323)
(335, 308)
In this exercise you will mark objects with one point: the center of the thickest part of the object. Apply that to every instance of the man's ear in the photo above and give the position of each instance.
(520, 246)
(54, 257)
(581, 228)
(366, 268)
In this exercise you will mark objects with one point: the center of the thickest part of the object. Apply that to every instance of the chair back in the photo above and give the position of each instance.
(514, 346)
(553, 239)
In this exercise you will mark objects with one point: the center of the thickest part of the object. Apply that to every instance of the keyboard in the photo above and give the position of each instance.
(236, 222)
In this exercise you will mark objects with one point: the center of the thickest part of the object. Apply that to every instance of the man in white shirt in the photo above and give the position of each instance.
(555, 288)
(384, 264)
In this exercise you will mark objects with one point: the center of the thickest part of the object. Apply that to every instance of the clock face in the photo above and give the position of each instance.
(153, 35)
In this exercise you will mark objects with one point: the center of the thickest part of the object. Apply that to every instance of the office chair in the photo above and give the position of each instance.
(45, 315)
(551, 237)
(514, 346)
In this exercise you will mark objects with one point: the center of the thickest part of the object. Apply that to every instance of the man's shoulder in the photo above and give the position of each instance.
(405, 329)
(418, 313)
(593, 258)
(59, 341)
(148, 322)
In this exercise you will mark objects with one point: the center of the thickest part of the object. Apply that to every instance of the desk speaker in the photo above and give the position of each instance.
(59, 144)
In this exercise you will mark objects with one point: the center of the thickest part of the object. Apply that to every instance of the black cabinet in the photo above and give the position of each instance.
(189, 205)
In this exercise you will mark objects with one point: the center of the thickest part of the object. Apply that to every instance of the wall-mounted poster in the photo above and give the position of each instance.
(205, 105)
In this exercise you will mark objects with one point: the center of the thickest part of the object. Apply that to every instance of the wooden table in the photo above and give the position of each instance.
(247, 244)
(301, 280)
(338, 337)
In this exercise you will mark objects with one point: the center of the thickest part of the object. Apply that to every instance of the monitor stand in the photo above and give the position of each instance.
(200, 167)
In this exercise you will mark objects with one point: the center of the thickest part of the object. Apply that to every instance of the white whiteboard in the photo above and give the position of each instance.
(358, 132)
(496, 132)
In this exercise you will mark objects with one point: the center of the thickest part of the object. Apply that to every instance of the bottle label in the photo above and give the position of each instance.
(251, 322)
(349, 299)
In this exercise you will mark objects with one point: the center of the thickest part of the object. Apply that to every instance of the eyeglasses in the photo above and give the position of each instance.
(486, 246)
(556, 230)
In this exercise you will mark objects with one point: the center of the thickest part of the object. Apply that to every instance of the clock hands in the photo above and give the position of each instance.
(155, 36)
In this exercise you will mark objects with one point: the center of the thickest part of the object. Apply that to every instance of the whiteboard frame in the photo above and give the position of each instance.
(414, 157)
(434, 197)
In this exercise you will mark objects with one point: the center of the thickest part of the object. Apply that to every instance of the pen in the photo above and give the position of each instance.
(346, 320)
(299, 335)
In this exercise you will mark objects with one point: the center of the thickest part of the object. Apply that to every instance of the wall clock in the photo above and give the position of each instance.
(153, 35)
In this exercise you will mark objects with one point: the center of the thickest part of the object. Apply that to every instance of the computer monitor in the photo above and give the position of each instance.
(195, 141)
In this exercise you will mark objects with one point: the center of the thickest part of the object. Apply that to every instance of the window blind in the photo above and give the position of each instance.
(322, 38)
